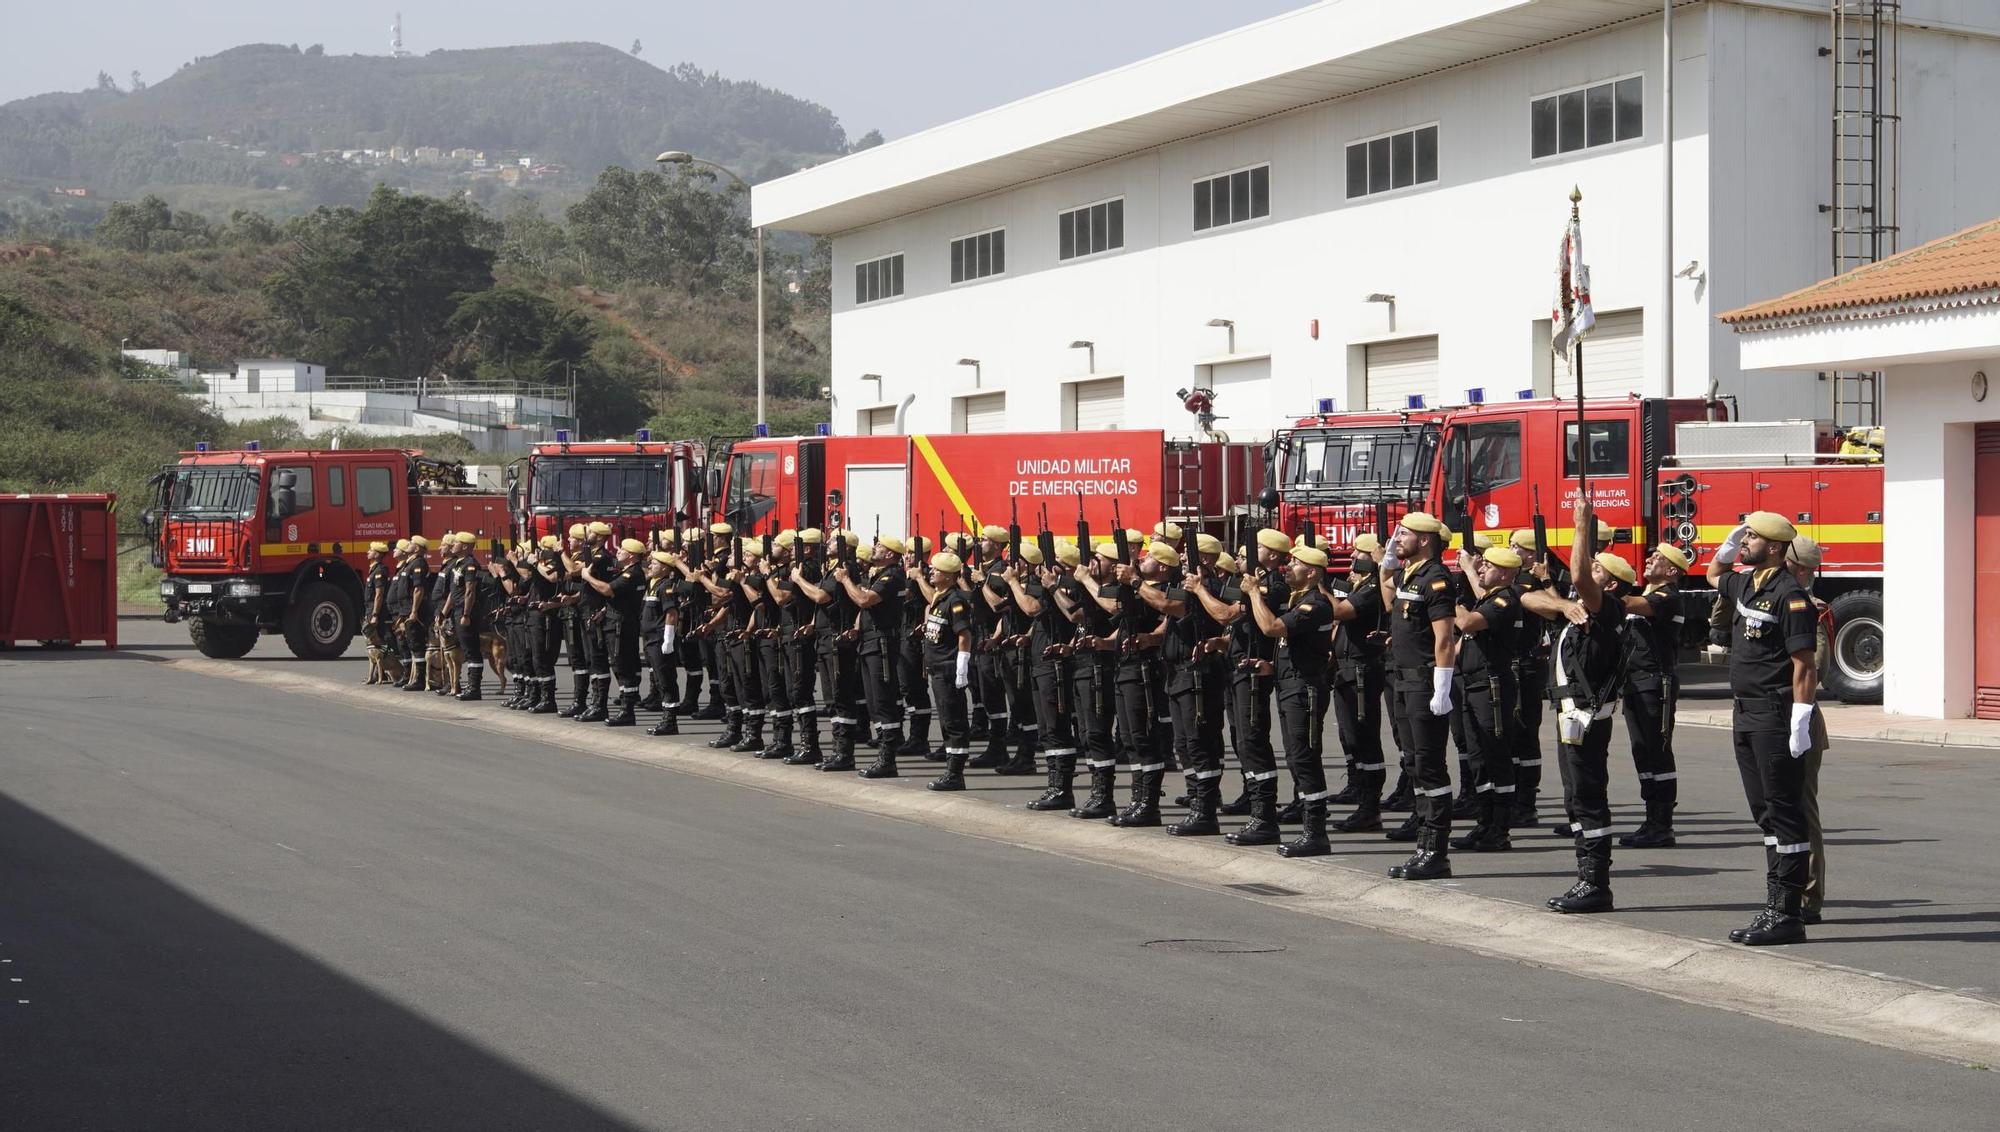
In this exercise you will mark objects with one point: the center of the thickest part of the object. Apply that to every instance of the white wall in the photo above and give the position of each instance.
(1469, 259)
(1927, 535)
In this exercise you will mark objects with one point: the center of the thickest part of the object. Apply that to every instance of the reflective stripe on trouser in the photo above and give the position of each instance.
(954, 716)
(1197, 726)
(1090, 704)
(1302, 724)
(1649, 723)
(1425, 760)
(878, 680)
(1774, 787)
(1055, 725)
(1586, 779)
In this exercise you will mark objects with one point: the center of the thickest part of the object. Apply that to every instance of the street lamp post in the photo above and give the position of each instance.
(682, 157)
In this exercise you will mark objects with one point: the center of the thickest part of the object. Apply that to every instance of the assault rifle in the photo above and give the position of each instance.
(1118, 542)
(1045, 540)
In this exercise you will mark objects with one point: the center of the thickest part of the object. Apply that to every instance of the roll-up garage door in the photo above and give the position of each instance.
(878, 422)
(986, 412)
(1614, 357)
(1097, 404)
(1398, 369)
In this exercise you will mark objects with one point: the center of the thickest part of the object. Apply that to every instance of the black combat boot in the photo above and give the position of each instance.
(1398, 800)
(1466, 806)
(1657, 832)
(732, 730)
(651, 700)
(1431, 861)
(579, 695)
(628, 703)
(842, 755)
(753, 732)
(600, 700)
(1294, 811)
(519, 699)
(1144, 809)
(918, 745)
(1763, 917)
(953, 777)
(884, 765)
(1311, 841)
(995, 754)
(468, 688)
(1059, 795)
(715, 708)
(690, 701)
(1350, 788)
(806, 751)
(1238, 806)
(1410, 830)
(1592, 891)
(1498, 817)
(543, 702)
(1098, 804)
(1262, 828)
(780, 746)
(1202, 802)
(668, 724)
(1367, 815)
(1022, 761)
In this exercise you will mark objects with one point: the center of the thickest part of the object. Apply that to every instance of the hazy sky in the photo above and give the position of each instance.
(893, 65)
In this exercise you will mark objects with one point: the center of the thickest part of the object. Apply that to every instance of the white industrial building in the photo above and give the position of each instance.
(1361, 201)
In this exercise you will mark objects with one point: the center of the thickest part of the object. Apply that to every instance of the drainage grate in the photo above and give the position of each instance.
(1213, 946)
(1265, 889)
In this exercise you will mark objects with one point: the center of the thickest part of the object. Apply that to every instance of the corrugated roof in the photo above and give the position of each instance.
(1958, 264)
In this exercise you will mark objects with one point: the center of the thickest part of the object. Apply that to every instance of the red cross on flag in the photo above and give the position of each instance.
(1571, 318)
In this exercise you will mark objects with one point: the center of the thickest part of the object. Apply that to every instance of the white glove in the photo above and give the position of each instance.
(667, 640)
(1801, 729)
(964, 670)
(1389, 560)
(1441, 691)
(1731, 546)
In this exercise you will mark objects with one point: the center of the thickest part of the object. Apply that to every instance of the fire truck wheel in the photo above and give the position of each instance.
(1854, 669)
(320, 624)
(222, 642)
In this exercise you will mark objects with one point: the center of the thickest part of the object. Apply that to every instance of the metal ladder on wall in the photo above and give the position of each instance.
(1865, 38)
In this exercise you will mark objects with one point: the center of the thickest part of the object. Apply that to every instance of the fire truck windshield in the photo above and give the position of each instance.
(1356, 465)
(227, 491)
(602, 485)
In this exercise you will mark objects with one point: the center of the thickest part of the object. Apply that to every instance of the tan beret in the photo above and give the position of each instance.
(946, 563)
(1273, 540)
(578, 530)
(891, 543)
(1677, 556)
(378, 548)
(1206, 543)
(992, 533)
(1067, 553)
(1771, 525)
(1226, 562)
(1164, 554)
(1310, 555)
(785, 538)
(812, 536)
(662, 557)
(919, 545)
(1806, 551)
(1606, 533)
(1523, 539)
(1134, 538)
(1169, 531)
(600, 529)
(1367, 544)
(551, 542)
(721, 529)
(1505, 557)
(464, 537)
(1031, 554)
(402, 545)
(1419, 521)
(753, 547)
(850, 538)
(1617, 567)
(1108, 551)
(632, 546)
(419, 542)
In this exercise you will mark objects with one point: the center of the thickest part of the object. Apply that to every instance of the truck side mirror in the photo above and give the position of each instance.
(714, 483)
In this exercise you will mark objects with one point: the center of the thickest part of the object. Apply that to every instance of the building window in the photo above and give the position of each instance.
(1393, 161)
(1091, 229)
(976, 257)
(878, 279)
(1587, 117)
(1232, 198)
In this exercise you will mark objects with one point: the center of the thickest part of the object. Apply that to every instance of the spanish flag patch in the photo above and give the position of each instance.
(1796, 605)
(1440, 584)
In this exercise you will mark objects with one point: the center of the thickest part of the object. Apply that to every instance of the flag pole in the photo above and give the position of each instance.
(1582, 436)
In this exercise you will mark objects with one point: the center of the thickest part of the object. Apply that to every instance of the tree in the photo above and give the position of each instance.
(137, 82)
(869, 140)
(374, 290)
(315, 51)
(532, 240)
(252, 228)
(134, 227)
(513, 334)
(667, 230)
(106, 83)
(635, 48)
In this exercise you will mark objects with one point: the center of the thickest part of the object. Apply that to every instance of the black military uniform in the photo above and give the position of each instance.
(1093, 692)
(510, 614)
(839, 668)
(1774, 618)
(746, 604)
(662, 606)
(910, 675)
(1358, 681)
(1531, 681)
(989, 684)
(544, 588)
(1486, 672)
(374, 596)
(596, 642)
(881, 630)
(800, 646)
(1588, 676)
(1250, 692)
(1197, 687)
(1009, 662)
(1302, 662)
(576, 641)
(769, 646)
(1652, 689)
(396, 609)
(623, 609)
(1049, 637)
(1138, 708)
(948, 621)
(471, 614)
(1424, 596)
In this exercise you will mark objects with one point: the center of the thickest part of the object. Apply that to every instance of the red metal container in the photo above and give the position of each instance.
(58, 569)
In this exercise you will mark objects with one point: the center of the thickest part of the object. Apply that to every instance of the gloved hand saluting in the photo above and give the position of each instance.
(1441, 691)
(1732, 546)
(1801, 737)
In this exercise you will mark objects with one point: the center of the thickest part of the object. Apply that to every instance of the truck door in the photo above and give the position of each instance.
(377, 499)
(1611, 440)
(334, 521)
(289, 499)
(1495, 494)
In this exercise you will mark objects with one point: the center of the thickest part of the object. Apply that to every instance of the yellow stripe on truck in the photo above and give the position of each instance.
(943, 474)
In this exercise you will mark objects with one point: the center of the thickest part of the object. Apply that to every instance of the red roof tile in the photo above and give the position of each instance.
(1954, 265)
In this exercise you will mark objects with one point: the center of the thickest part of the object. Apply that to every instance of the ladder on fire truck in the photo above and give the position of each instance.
(1182, 473)
(1866, 158)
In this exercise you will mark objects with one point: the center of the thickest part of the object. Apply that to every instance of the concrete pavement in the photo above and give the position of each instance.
(235, 907)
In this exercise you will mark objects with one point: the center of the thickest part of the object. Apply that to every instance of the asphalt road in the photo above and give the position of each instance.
(231, 907)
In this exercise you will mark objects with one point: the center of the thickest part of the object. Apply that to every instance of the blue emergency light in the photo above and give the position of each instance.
(201, 446)
(645, 434)
(1476, 395)
(823, 428)
(1413, 401)
(251, 446)
(763, 428)
(1328, 405)
(1526, 394)
(562, 436)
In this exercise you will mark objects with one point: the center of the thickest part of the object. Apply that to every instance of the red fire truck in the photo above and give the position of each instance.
(921, 483)
(637, 486)
(1670, 469)
(277, 542)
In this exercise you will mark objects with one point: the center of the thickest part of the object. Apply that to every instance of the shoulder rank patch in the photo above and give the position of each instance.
(1440, 584)
(1501, 602)
(1796, 604)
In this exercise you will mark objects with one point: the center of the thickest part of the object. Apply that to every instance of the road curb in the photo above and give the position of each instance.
(1936, 733)
(1882, 1010)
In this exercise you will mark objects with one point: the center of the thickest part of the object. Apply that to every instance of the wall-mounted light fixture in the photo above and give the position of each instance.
(1390, 300)
(1082, 344)
(1228, 324)
(974, 363)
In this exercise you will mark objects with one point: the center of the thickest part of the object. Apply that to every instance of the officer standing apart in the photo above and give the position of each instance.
(1804, 561)
(1422, 646)
(1774, 677)
(948, 655)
